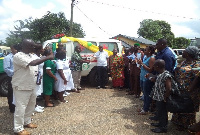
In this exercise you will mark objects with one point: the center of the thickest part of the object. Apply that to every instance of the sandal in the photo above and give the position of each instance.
(49, 105)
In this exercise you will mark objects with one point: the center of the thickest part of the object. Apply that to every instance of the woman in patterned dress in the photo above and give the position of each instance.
(185, 76)
(117, 69)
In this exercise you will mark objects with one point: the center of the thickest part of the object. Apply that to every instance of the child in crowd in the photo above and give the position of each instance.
(161, 91)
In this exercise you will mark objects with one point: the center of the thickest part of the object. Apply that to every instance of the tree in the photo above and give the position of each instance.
(181, 43)
(154, 30)
(51, 24)
(44, 28)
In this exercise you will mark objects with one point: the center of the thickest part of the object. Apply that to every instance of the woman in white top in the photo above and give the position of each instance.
(65, 80)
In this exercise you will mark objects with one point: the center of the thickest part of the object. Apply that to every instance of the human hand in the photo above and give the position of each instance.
(51, 56)
(139, 61)
(65, 82)
(55, 78)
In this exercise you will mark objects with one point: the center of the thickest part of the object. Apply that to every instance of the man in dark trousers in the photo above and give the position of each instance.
(8, 68)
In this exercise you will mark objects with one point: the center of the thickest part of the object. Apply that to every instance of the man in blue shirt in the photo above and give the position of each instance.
(166, 54)
(8, 68)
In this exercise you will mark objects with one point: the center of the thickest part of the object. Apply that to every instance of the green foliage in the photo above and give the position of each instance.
(44, 28)
(154, 30)
(181, 43)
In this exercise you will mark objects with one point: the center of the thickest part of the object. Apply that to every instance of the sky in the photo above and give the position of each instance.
(107, 18)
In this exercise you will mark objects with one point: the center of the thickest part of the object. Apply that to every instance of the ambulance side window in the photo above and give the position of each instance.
(83, 49)
(109, 45)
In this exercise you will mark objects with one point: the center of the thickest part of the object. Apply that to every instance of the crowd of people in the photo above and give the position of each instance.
(144, 73)
(155, 75)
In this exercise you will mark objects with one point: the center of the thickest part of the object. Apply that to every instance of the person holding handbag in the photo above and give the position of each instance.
(185, 76)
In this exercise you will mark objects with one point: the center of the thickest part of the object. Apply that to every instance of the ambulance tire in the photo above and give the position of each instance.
(4, 85)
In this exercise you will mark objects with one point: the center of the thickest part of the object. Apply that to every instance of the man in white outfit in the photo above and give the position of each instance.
(24, 85)
(102, 66)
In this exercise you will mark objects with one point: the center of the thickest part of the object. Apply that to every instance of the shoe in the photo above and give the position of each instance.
(159, 130)
(40, 107)
(23, 132)
(49, 105)
(194, 128)
(67, 93)
(104, 87)
(153, 118)
(143, 113)
(31, 125)
(142, 98)
(64, 95)
(37, 109)
(77, 91)
(98, 87)
(140, 109)
(81, 88)
(120, 88)
(12, 111)
(155, 124)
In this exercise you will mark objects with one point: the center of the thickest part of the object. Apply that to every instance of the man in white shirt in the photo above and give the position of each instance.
(102, 65)
(24, 85)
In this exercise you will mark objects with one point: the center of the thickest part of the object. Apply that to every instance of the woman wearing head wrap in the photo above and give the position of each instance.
(185, 76)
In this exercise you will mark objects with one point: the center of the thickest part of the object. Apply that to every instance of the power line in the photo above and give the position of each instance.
(92, 21)
(142, 10)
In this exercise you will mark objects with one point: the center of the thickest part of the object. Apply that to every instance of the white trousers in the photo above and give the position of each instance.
(76, 78)
(25, 101)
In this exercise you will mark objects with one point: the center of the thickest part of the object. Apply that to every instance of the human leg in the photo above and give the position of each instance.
(79, 79)
(162, 114)
(61, 97)
(162, 118)
(30, 107)
(10, 96)
(21, 101)
(98, 76)
(147, 88)
(103, 76)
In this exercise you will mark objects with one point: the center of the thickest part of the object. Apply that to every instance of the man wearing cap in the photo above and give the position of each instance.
(24, 83)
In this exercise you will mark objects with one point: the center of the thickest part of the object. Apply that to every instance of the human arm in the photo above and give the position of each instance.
(151, 63)
(168, 87)
(48, 71)
(151, 77)
(60, 71)
(39, 61)
(7, 66)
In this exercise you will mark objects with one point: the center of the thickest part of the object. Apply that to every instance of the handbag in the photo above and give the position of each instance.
(180, 101)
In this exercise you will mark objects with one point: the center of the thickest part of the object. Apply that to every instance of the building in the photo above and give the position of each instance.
(128, 41)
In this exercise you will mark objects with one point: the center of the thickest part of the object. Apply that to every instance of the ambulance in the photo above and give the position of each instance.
(88, 47)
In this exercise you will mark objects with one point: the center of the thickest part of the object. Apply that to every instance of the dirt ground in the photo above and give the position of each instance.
(91, 112)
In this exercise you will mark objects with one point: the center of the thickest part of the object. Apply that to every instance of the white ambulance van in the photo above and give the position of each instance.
(89, 70)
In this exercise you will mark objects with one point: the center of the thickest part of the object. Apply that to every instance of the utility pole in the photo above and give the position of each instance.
(71, 21)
